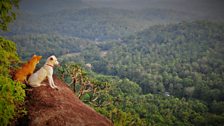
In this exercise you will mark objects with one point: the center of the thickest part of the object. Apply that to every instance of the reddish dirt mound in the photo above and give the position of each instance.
(61, 107)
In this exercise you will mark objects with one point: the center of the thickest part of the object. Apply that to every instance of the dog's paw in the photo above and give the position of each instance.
(43, 84)
(56, 87)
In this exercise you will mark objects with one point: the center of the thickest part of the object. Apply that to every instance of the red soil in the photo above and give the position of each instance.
(61, 107)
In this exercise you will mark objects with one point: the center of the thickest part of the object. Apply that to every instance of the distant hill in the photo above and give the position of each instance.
(106, 20)
(43, 6)
(93, 23)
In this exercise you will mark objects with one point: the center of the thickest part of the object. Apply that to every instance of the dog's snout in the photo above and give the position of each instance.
(57, 63)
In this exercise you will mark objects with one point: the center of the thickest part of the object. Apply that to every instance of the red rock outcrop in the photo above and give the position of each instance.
(47, 106)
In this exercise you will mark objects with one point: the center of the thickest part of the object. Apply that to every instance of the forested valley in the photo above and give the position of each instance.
(139, 65)
(164, 75)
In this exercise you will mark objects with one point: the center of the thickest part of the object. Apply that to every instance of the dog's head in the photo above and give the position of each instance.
(52, 60)
(35, 59)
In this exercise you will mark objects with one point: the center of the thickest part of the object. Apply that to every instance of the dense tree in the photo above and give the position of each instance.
(183, 60)
(12, 94)
(48, 44)
(121, 101)
(7, 12)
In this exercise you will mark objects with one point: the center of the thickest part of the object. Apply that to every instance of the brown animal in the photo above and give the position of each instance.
(27, 69)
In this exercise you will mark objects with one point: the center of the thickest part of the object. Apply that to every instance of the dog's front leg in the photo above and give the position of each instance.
(50, 81)
(54, 84)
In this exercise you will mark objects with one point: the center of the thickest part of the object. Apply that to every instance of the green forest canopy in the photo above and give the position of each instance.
(183, 60)
(164, 75)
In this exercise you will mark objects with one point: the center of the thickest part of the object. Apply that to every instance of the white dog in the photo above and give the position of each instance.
(45, 71)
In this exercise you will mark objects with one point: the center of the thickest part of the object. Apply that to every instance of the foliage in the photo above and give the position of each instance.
(77, 77)
(122, 102)
(7, 12)
(96, 90)
(164, 75)
(87, 89)
(183, 60)
(8, 56)
(48, 44)
(12, 93)
(12, 96)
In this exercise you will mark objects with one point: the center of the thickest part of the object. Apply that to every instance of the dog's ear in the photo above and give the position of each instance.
(39, 57)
